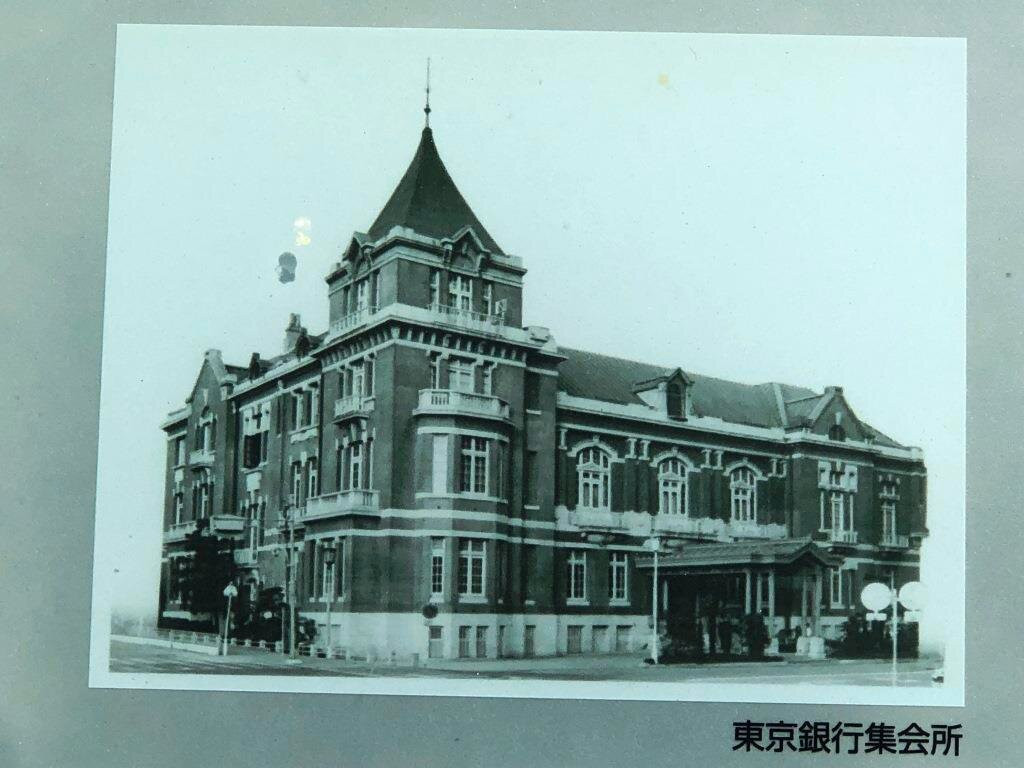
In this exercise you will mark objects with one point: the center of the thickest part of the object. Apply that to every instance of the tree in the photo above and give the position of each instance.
(211, 567)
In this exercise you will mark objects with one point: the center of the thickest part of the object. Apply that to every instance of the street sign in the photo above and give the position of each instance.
(912, 595)
(912, 617)
(876, 616)
(230, 591)
(876, 596)
(653, 544)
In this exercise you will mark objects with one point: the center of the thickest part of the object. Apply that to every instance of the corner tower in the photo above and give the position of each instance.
(426, 250)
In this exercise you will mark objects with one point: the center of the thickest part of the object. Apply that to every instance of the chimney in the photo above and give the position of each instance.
(292, 332)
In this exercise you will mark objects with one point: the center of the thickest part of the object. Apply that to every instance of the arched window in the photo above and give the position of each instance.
(836, 432)
(743, 488)
(594, 469)
(672, 487)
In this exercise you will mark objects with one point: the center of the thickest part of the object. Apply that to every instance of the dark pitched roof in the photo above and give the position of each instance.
(427, 201)
(612, 380)
(784, 551)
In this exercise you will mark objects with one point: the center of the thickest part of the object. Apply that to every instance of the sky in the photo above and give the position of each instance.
(758, 208)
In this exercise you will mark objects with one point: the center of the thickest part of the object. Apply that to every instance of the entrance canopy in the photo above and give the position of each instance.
(709, 558)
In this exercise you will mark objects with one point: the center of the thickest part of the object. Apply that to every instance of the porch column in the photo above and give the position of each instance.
(803, 602)
(816, 608)
(746, 596)
(771, 597)
(760, 591)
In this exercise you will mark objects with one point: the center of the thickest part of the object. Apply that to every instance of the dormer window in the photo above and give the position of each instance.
(836, 432)
(668, 393)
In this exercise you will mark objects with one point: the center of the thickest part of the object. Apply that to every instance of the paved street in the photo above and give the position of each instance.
(127, 657)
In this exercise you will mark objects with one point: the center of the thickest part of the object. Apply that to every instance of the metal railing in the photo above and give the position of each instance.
(462, 402)
(354, 501)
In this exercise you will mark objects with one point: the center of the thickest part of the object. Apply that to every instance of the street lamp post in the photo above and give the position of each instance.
(289, 578)
(329, 559)
(654, 544)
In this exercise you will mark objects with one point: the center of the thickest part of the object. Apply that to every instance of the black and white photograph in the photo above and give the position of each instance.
(571, 365)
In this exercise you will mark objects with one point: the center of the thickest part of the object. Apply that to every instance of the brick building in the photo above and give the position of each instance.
(430, 450)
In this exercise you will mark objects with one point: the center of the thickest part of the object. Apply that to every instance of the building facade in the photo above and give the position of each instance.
(430, 476)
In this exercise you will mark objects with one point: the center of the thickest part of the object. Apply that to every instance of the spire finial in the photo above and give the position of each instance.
(426, 109)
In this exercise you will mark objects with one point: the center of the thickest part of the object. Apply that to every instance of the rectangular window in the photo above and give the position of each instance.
(488, 380)
(488, 298)
(368, 377)
(435, 373)
(617, 575)
(836, 587)
(357, 381)
(436, 567)
(599, 644)
(362, 295)
(464, 642)
(471, 567)
(889, 521)
(296, 410)
(460, 376)
(481, 642)
(179, 507)
(460, 289)
(439, 466)
(296, 483)
(574, 637)
(355, 465)
(179, 451)
(435, 643)
(576, 576)
(435, 287)
(327, 580)
(474, 465)
(312, 479)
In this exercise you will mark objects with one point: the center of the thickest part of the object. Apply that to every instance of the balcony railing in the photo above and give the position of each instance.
(842, 536)
(340, 503)
(454, 401)
(352, 320)
(693, 526)
(245, 556)
(201, 458)
(896, 541)
(748, 529)
(467, 318)
(352, 405)
(178, 531)
(596, 518)
(227, 524)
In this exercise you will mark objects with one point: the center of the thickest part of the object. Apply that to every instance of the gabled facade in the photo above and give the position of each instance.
(457, 484)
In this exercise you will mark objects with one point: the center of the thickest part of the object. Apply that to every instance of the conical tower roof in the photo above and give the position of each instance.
(427, 201)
